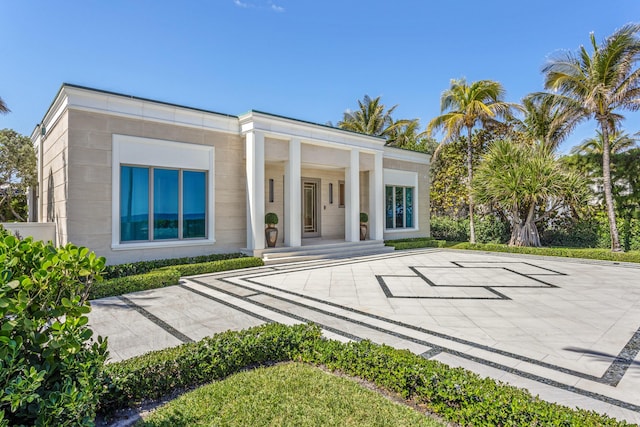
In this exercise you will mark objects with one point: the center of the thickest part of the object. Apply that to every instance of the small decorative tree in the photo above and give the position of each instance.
(364, 218)
(271, 232)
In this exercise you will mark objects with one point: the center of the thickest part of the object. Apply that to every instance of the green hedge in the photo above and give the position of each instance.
(456, 394)
(217, 266)
(167, 276)
(158, 373)
(415, 243)
(489, 229)
(141, 267)
(586, 253)
(139, 282)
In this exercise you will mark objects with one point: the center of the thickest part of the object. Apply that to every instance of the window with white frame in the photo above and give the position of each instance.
(399, 207)
(163, 193)
(162, 204)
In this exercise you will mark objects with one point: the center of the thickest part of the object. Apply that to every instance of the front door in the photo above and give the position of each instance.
(310, 207)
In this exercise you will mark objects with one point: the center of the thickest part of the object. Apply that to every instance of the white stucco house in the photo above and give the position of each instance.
(136, 179)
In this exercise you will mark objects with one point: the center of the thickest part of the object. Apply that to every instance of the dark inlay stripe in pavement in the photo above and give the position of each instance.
(479, 360)
(155, 319)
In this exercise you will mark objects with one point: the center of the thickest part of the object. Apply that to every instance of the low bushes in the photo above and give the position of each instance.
(139, 282)
(167, 276)
(489, 229)
(589, 253)
(158, 373)
(456, 394)
(415, 243)
(141, 267)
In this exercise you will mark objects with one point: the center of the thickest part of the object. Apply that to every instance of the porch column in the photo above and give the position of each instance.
(376, 199)
(352, 196)
(254, 152)
(292, 196)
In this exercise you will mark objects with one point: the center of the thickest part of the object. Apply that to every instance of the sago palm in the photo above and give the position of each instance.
(464, 106)
(597, 84)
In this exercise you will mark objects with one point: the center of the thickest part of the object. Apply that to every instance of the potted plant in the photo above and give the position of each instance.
(364, 218)
(271, 232)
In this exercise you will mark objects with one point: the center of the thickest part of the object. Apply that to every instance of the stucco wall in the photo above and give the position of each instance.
(89, 190)
(55, 173)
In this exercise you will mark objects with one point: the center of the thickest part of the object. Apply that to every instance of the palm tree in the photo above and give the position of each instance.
(618, 142)
(595, 85)
(371, 118)
(547, 122)
(464, 105)
(3, 107)
(522, 178)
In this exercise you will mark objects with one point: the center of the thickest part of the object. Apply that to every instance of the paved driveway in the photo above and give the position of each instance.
(567, 330)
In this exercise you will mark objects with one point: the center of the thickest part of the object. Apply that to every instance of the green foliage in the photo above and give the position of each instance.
(158, 373)
(216, 266)
(50, 369)
(122, 270)
(271, 218)
(139, 282)
(489, 229)
(415, 243)
(364, 218)
(17, 173)
(456, 394)
(585, 253)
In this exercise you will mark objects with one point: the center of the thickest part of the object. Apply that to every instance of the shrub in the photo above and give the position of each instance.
(50, 369)
(158, 373)
(217, 266)
(271, 219)
(139, 282)
(415, 243)
(489, 229)
(446, 228)
(456, 394)
(140, 267)
(364, 217)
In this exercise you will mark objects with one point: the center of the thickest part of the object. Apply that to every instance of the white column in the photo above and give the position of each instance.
(352, 196)
(376, 199)
(254, 152)
(292, 196)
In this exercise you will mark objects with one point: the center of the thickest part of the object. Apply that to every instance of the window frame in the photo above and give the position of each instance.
(394, 192)
(407, 179)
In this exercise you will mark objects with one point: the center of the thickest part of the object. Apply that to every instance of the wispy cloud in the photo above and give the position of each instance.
(266, 5)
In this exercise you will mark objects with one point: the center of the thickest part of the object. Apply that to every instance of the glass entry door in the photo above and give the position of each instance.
(310, 207)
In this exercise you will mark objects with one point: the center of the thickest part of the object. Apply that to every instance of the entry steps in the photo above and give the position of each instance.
(273, 256)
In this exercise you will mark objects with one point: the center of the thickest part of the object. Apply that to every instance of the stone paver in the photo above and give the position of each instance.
(568, 330)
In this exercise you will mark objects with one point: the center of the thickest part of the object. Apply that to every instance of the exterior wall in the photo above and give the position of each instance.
(90, 138)
(55, 179)
(422, 170)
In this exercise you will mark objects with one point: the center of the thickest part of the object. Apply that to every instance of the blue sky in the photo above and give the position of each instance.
(305, 59)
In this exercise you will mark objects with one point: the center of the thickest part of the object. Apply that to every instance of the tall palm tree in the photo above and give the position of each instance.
(547, 122)
(371, 118)
(465, 105)
(618, 142)
(595, 85)
(3, 107)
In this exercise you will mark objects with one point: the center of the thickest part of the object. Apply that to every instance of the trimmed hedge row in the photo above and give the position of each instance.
(159, 373)
(456, 394)
(217, 266)
(415, 243)
(139, 282)
(141, 267)
(586, 253)
(167, 276)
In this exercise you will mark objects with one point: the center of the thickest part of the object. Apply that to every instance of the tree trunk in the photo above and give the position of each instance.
(472, 227)
(606, 180)
(525, 234)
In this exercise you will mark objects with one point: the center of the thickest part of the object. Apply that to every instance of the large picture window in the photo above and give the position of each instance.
(178, 199)
(398, 207)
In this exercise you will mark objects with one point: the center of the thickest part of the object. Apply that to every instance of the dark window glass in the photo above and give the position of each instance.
(194, 196)
(165, 204)
(134, 203)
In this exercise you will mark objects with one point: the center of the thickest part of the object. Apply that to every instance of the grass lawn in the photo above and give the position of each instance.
(290, 394)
